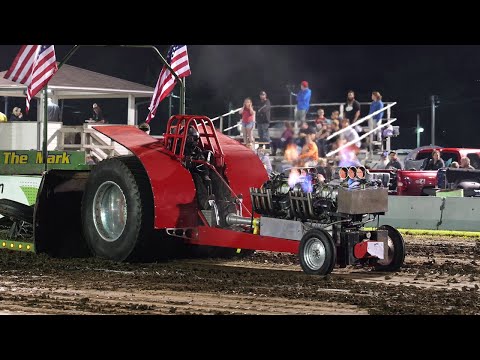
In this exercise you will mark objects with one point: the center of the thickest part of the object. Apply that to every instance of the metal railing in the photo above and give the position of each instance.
(337, 106)
(279, 117)
(94, 144)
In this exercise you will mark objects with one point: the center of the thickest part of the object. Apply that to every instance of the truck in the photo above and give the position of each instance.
(414, 181)
(130, 208)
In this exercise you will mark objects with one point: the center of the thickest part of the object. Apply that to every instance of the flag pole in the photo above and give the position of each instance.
(45, 126)
(182, 96)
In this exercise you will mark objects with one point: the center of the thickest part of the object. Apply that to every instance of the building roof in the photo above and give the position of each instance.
(72, 82)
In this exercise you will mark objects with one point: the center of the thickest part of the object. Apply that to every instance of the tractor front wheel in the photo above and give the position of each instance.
(396, 251)
(317, 253)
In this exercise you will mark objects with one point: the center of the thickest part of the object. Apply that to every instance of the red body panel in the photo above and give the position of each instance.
(238, 240)
(172, 185)
(243, 168)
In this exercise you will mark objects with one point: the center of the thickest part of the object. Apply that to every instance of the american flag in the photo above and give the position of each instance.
(177, 58)
(34, 66)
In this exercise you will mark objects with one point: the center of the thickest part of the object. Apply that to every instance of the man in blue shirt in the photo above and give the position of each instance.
(303, 102)
(376, 105)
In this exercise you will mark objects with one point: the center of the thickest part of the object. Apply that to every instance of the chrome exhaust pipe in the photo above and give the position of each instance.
(234, 219)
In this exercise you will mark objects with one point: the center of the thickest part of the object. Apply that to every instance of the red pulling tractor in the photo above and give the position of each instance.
(125, 206)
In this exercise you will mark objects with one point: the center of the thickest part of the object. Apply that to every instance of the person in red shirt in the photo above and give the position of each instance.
(248, 121)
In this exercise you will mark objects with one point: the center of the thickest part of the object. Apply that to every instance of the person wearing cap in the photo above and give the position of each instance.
(263, 117)
(303, 102)
(97, 114)
(393, 163)
(145, 128)
(3, 117)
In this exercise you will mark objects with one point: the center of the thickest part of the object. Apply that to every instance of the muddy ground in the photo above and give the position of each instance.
(440, 276)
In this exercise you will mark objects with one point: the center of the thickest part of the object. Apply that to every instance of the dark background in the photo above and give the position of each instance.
(407, 74)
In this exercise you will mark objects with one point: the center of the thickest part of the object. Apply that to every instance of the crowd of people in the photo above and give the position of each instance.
(304, 142)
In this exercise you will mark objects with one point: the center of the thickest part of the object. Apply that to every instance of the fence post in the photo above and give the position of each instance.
(221, 124)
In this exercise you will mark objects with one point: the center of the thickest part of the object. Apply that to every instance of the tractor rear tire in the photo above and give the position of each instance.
(396, 251)
(317, 253)
(117, 210)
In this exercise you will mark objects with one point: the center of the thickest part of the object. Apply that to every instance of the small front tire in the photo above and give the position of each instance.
(317, 253)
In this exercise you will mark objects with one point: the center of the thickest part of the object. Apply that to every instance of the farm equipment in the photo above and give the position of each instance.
(205, 190)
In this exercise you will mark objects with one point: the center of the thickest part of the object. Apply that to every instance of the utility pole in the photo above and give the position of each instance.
(418, 130)
(433, 98)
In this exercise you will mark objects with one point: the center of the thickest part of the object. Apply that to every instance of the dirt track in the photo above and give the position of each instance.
(439, 277)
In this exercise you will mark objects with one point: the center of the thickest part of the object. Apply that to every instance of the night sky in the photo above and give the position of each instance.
(221, 74)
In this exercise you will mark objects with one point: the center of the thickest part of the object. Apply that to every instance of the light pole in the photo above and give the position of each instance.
(418, 130)
(435, 101)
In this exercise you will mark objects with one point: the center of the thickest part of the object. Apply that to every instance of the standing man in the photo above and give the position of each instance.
(303, 102)
(352, 108)
(263, 117)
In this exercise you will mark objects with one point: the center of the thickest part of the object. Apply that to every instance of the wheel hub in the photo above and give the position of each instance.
(109, 211)
(315, 254)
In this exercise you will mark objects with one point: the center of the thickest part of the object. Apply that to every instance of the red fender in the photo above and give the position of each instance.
(172, 185)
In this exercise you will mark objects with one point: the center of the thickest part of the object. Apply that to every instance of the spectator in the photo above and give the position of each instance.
(53, 111)
(455, 165)
(376, 105)
(287, 138)
(321, 119)
(262, 154)
(350, 134)
(335, 126)
(436, 162)
(335, 115)
(352, 108)
(302, 134)
(16, 114)
(145, 128)
(3, 117)
(393, 163)
(321, 139)
(263, 117)
(303, 102)
(309, 154)
(465, 163)
(97, 114)
(248, 121)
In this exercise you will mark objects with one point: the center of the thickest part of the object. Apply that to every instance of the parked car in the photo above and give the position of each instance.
(414, 181)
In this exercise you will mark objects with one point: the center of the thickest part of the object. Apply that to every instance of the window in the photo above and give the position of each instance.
(474, 160)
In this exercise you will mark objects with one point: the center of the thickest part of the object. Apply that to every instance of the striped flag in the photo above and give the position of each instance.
(34, 66)
(177, 58)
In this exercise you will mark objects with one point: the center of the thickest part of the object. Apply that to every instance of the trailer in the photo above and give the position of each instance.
(123, 208)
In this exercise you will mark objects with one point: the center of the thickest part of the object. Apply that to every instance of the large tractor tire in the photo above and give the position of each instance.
(317, 253)
(396, 251)
(117, 210)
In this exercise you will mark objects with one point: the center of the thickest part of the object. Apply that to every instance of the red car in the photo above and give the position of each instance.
(422, 182)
